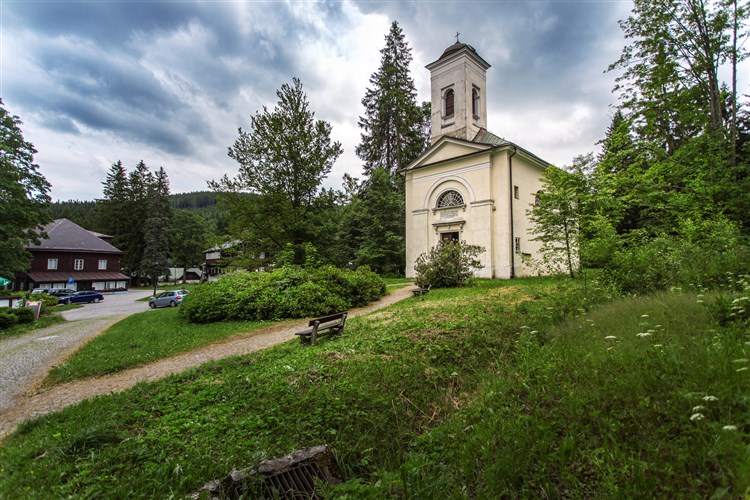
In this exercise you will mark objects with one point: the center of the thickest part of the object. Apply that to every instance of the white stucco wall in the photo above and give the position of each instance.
(483, 180)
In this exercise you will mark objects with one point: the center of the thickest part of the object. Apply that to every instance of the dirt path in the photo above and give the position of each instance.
(40, 401)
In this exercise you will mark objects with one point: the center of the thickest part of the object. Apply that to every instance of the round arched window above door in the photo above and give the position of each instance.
(451, 198)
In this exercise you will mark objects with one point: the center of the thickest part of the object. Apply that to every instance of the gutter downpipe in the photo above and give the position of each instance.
(512, 233)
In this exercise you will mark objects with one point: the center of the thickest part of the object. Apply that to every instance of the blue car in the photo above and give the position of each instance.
(87, 296)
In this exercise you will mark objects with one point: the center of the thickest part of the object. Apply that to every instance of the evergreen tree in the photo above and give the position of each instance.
(371, 226)
(112, 208)
(283, 161)
(24, 198)
(393, 125)
(155, 257)
(133, 237)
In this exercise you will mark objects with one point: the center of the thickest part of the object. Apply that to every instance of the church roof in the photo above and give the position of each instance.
(486, 137)
(483, 138)
(455, 48)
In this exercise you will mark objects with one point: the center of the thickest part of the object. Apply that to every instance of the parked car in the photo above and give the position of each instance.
(171, 298)
(37, 291)
(61, 292)
(87, 296)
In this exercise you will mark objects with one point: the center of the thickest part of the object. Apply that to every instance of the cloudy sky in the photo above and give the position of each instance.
(170, 81)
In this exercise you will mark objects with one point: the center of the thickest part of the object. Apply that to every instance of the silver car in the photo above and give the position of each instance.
(167, 299)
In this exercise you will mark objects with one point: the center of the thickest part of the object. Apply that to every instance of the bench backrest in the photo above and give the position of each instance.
(326, 319)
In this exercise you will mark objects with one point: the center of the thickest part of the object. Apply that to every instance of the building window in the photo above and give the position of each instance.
(515, 192)
(78, 265)
(475, 102)
(451, 236)
(51, 264)
(103, 264)
(450, 198)
(449, 103)
(518, 244)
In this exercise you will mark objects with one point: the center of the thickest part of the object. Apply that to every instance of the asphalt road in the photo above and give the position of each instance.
(26, 359)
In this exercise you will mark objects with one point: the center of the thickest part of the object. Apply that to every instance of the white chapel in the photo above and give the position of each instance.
(470, 184)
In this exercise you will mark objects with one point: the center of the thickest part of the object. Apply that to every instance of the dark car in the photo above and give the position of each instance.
(171, 299)
(86, 296)
(61, 292)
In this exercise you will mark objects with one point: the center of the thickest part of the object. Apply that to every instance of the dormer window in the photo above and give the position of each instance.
(475, 102)
(450, 198)
(449, 103)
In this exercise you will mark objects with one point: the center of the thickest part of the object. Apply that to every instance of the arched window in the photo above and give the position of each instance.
(449, 104)
(475, 102)
(450, 198)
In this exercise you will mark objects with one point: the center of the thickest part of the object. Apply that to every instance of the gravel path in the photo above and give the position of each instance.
(34, 401)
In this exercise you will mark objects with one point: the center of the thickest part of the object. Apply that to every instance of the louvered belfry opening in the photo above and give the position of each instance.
(291, 477)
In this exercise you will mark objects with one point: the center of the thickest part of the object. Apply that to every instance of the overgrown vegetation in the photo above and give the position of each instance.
(478, 391)
(448, 264)
(287, 292)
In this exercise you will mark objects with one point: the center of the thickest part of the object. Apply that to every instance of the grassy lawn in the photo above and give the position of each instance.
(481, 392)
(143, 338)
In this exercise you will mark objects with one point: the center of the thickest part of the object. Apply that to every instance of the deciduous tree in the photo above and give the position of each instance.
(24, 196)
(283, 160)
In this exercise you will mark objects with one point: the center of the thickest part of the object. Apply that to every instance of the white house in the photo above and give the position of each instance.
(471, 185)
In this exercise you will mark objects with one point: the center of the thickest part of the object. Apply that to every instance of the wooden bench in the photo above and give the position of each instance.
(421, 290)
(333, 323)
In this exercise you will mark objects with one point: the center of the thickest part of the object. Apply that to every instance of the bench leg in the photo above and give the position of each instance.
(314, 333)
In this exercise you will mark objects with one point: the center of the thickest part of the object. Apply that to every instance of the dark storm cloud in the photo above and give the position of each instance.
(98, 62)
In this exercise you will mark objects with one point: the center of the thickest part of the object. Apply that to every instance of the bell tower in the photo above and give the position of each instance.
(459, 92)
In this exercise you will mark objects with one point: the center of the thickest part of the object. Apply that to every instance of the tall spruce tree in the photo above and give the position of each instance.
(140, 181)
(395, 131)
(392, 127)
(155, 258)
(112, 207)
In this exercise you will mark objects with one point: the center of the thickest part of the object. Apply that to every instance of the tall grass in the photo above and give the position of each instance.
(644, 397)
(479, 392)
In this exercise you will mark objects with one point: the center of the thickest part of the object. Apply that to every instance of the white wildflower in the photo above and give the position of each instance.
(698, 408)
(610, 337)
(729, 428)
(744, 368)
(644, 315)
(696, 416)
(710, 398)
(643, 334)
(658, 346)
(741, 360)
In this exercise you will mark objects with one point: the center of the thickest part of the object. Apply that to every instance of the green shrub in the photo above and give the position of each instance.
(448, 264)
(701, 255)
(7, 319)
(286, 292)
(24, 315)
(48, 301)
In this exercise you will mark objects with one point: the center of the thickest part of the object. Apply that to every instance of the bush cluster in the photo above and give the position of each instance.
(705, 256)
(448, 264)
(287, 292)
(14, 316)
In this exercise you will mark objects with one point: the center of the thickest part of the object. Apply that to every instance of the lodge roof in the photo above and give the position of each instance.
(63, 234)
